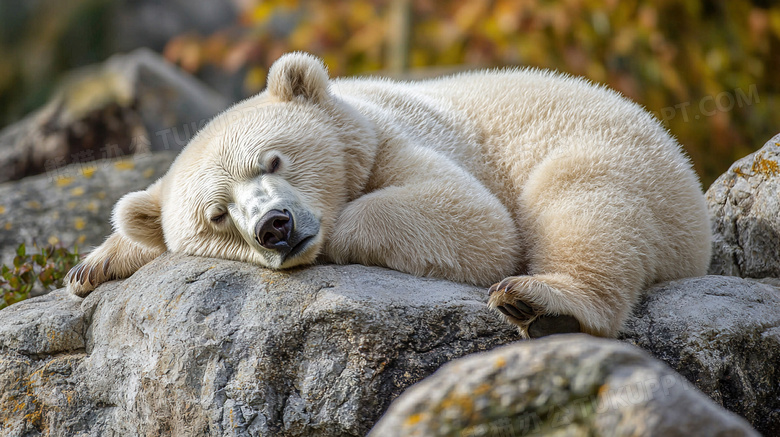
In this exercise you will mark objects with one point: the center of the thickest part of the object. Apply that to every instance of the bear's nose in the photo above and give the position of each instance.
(273, 229)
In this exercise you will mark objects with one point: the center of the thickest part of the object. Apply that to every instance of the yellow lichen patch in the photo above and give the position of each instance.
(34, 418)
(64, 181)
(482, 389)
(79, 223)
(765, 167)
(8, 226)
(78, 191)
(125, 164)
(82, 238)
(500, 362)
(19, 407)
(149, 172)
(53, 240)
(738, 171)
(414, 419)
(463, 403)
(2, 209)
(88, 172)
(34, 204)
(101, 195)
(71, 204)
(92, 207)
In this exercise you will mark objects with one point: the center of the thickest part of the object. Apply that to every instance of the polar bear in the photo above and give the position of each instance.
(566, 197)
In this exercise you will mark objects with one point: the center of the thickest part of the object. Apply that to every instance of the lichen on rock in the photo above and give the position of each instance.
(745, 207)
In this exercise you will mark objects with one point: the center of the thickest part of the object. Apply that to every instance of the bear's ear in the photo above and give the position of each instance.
(298, 75)
(137, 216)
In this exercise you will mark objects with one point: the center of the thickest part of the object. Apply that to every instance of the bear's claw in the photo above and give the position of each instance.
(520, 311)
(504, 286)
(549, 325)
(507, 313)
(75, 274)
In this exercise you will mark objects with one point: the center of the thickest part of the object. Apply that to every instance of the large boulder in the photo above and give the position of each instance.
(567, 385)
(75, 209)
(199, 346)
(723, 334)
(131, 104)
(196, 346)
(745, 207)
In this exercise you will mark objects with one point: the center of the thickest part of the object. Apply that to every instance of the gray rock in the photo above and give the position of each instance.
(54, 323)
(131, 104)
(745, 208)
(75, 207)
(197, 346)
(723, 334)
(565, 385)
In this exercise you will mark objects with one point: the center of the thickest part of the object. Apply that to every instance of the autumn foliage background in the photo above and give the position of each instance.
(709, 70)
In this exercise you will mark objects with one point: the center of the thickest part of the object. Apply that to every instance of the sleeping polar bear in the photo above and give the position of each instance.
(565, 196)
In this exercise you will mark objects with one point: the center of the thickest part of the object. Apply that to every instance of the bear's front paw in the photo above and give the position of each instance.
(85, 276)
(514, 298)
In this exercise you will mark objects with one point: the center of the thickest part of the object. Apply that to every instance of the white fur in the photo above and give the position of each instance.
(478, 177)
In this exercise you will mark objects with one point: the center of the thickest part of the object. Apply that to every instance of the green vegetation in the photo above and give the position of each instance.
(45, 269)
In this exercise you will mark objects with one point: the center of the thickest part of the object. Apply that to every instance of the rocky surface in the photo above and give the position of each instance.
(721, 333)
(572, 385)
(131, 104)
(75, 207)
(745, 207)
(196, 346)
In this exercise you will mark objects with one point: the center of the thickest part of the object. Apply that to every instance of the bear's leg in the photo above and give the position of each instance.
(590, 256)
(117, 258)
(449, 227)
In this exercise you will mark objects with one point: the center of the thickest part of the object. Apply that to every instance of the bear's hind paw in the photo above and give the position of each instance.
(530, 319)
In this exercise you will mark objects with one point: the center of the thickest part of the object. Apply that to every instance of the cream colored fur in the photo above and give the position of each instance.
(572, 195)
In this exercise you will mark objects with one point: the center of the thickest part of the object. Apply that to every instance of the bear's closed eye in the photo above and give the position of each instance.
(219, 218)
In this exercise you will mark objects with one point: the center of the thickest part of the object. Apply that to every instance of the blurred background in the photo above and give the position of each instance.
(709, 70)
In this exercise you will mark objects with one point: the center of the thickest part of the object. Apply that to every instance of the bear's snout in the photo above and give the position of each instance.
(273, 230)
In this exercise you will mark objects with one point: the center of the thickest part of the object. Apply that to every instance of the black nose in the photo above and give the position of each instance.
(273, 229)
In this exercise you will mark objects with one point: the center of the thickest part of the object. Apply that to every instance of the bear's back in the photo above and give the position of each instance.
(501, 125)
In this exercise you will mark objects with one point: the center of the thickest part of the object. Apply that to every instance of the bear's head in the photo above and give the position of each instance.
(264, 181)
